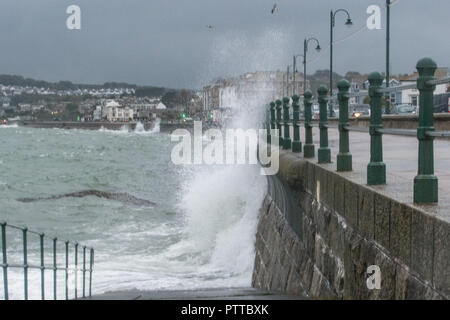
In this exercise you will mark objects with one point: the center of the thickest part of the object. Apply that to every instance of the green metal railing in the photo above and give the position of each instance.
(425, 182)
(286, 117)
(308, 149)
(43, 267)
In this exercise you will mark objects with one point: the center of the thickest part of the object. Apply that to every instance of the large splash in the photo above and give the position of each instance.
(156, 126)
(221, 203)
(221, 207)
(139, 127)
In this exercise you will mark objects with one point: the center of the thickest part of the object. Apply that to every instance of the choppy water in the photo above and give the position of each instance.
(200, 233)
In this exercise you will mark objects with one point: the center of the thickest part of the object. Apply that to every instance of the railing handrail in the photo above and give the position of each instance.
(42, 266)
(38, 233)
(396, 88)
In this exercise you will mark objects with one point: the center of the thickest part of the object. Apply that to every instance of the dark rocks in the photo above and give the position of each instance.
(117, 196)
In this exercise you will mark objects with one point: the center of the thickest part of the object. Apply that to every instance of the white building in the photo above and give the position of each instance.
(113, 111)
(250, 88)
(228, 97)
(411, 96)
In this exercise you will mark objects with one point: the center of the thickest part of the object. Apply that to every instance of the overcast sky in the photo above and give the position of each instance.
(167, 43)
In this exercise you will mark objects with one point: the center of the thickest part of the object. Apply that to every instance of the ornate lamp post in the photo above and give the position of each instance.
(348, 23)
(388, 18)
(295, 70)
(305, 49)
(287, 81)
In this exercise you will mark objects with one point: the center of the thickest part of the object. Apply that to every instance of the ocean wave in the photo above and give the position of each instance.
(6, 126)
(221, 208)
(123, 130)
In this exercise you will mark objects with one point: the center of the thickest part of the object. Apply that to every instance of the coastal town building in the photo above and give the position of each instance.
(113, 111)
(411, 96)
(235, 92)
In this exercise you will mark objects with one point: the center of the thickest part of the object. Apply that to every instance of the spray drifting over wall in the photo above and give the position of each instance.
(221, 203)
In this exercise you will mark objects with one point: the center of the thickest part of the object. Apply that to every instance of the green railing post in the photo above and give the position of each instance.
(376, 169)
(54, 268)
(41, 241)
(25, 263)
(91, 264)
(344, 157)
(308, 149)
(426, 183)
(296, 143)
(280, 134)
(5, 261)
(273, 121)
(84, 272)
(324, 152)
(286, 118)
(76, 270)
(67, 270)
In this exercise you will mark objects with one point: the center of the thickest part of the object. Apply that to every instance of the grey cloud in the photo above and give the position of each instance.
(166, 42)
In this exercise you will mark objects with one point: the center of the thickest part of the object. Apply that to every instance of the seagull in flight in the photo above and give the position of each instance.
(274, 8)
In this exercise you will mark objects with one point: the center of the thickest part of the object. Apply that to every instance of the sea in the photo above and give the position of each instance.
(200, 232)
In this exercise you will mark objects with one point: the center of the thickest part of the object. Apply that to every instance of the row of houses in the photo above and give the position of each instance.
(11, 90)
(411, 96)
(399, 95)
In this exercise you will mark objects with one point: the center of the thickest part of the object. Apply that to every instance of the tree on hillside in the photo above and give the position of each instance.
(169, 115)
(149, 91)
(383, 101)
(169, 99)
(178, 99)
(71, 112)
(352, 74)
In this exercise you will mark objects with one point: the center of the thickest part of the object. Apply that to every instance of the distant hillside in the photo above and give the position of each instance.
(322, 77)
(172, 98)
(15, 80)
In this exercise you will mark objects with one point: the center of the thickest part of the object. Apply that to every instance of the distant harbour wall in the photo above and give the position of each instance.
(94, 125)
(170, 127)
(165, 127)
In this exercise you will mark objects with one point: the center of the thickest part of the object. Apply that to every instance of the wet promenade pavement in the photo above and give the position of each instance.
(199, 294)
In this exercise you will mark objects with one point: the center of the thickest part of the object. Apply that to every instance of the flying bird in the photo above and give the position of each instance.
(209, 27)
(274, 8)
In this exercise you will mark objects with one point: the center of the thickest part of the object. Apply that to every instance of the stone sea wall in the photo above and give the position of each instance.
(345, 228)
